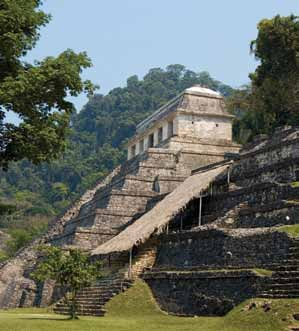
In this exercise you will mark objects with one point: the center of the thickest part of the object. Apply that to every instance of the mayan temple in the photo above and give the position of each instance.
(198, 217)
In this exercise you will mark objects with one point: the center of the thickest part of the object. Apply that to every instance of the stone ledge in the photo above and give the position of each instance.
(125, 192)
(251, 210)
(206, 274)
(207, 231)
(255, 188)
(276, 205)
(287, 162)
(104, 212)
(269, 148)
(208, 142)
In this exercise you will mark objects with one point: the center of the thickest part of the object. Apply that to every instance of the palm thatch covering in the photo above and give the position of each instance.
(158, 218)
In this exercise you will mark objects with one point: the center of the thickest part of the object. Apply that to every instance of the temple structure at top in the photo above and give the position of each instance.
(195, 120)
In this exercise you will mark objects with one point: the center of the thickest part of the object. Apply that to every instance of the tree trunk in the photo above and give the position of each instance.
(73, 311)
(71, 302)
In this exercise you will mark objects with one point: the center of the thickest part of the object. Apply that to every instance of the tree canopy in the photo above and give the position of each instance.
(37, 92)
(272, 98)
(71, 270)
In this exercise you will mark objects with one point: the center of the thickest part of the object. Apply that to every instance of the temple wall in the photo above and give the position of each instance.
(219, 249)
(197, 112)
(203, 103)
(186, 144)
(203, 127)
(202, 293)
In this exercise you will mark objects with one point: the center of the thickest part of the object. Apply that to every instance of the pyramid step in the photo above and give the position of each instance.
(104, 290)
(293, 256)
(277, 296)
(283, 291)
(291, 261)
(95, 295)
(285, 274)
(87, 302)
(99, 292)
(94, 300)
(283, 286)
(284, 280)
(81, 307)
(91, 300)
(287, 267)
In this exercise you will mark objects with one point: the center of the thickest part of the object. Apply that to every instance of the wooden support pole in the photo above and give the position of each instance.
(181, 222)
(228, 176)
(200, 209)
(130, 263)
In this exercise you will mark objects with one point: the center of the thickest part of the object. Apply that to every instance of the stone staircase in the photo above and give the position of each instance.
(284, 282)
(145, 259)
(92, 300)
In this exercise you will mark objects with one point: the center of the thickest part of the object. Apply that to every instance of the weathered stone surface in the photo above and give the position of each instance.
(259, 197)
(202, 293)
(238, 228)
(215, 248)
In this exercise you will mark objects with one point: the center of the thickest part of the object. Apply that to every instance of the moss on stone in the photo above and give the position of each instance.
(263, 272)
(291, 230)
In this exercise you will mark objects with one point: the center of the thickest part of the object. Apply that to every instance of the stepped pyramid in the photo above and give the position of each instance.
(202, 223)
(190, 131)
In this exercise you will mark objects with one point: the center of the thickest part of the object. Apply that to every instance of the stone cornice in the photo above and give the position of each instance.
(182, 111)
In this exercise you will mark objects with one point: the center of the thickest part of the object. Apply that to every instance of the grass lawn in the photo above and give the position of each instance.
(136, 310)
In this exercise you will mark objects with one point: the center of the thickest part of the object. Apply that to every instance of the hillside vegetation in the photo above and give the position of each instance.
(31, 195)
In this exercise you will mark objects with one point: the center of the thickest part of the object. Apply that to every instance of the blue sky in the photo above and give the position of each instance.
(127, 37)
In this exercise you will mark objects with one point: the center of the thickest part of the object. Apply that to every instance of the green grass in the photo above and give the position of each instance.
(135, 310)
(291, 230)
(295, 184)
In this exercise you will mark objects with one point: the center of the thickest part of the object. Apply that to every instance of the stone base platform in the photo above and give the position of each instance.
(202, 293)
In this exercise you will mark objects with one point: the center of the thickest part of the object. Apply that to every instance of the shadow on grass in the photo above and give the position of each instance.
(45, 319)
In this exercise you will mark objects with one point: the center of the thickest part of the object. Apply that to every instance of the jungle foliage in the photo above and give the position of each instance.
(272, 98)
(31, 194)
(36, 93)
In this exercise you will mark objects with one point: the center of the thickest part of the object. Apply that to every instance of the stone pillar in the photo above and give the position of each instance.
(129, 152)
(165, 131)
(156, 137)
(175, 126)
(170, 129)
(137, 151)
(132, 151)
(145, 143)
(141, 146)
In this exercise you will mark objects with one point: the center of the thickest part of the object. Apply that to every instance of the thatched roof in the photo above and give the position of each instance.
(157, 218)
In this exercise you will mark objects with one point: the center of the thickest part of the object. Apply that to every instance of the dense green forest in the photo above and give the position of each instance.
(31, 195)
